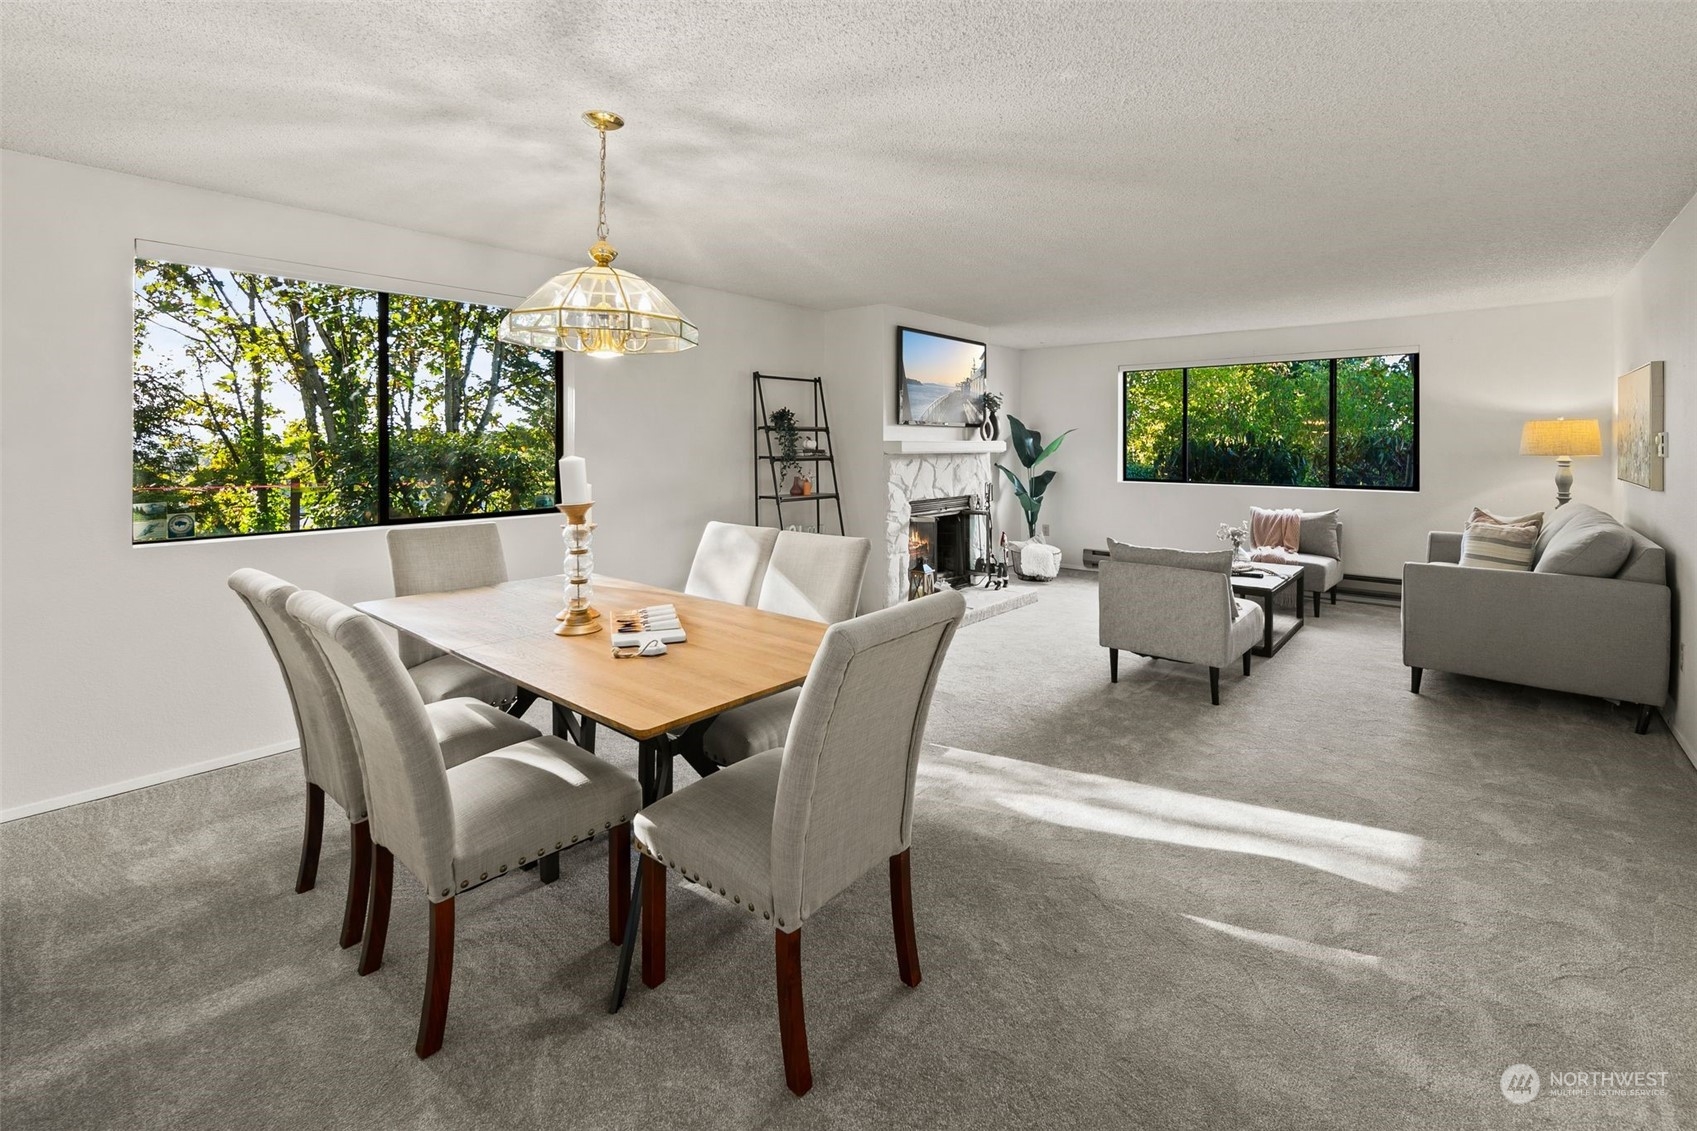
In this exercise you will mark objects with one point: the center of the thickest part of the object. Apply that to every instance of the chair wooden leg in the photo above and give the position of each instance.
(1214, 685)
(1246, 663)
(438, 979)
(901, 914)
(1414, 679)
(548, 867)
(359, 882)
(1113, 665)
(311, 839)
(618, 882)
(653, 922)
(792, 1022)
(377, 914)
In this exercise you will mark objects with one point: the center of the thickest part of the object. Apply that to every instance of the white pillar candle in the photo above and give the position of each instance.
(574, 480)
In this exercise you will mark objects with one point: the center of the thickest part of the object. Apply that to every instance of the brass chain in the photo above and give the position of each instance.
(601, 228)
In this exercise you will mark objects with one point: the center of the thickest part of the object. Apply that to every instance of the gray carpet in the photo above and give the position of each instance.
(1325, 903)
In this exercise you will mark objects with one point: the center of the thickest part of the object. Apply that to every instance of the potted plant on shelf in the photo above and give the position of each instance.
(991, 429)
(789, 450)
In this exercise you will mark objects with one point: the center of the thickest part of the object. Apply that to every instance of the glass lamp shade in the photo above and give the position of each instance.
(601, 311)
(1561, 438)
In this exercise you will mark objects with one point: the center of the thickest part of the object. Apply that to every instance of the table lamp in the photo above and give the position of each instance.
(1563, 439)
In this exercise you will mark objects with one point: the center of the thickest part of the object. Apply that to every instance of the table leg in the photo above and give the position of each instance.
(1267, 627)
(654, 771)
(576, 729)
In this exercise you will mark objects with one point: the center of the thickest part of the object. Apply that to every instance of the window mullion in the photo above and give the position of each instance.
(382, 409)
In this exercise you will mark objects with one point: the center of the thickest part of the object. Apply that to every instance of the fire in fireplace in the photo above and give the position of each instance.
(939, 533)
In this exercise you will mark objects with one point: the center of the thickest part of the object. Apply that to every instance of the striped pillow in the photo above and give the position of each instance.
(1487, 545)
(1536, 518)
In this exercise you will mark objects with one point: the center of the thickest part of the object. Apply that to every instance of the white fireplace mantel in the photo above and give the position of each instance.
(927, 447)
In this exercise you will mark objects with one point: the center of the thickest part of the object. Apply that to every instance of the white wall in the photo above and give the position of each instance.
(1655, 314)
(123, 663)
(1482, 374)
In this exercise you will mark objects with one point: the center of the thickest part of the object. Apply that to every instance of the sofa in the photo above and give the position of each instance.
(1174, 605)
(1592, 617)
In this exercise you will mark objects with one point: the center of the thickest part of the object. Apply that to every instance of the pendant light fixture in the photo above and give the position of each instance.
(599, 310)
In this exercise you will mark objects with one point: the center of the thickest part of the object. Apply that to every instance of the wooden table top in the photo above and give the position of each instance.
(734, 655)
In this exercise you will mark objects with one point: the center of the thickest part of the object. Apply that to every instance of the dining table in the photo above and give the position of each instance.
(734, 654)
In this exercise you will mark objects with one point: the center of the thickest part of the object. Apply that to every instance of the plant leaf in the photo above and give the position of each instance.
(1018, 487)
(1050, 450)
(1027, 445)
(1040, 483)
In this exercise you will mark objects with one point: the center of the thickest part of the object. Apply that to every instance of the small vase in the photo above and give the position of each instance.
(796, 486)
(991, 429)
(1239, 554)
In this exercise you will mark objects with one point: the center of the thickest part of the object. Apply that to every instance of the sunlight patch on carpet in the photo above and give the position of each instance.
(1378, 857)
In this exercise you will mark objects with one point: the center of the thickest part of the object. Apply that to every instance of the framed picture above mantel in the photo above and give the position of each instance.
(940, 379)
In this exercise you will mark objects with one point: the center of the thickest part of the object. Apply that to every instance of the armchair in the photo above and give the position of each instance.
(1175, 605)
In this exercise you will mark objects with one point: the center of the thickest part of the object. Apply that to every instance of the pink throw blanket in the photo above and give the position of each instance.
(1276, 554)
(1274, 530)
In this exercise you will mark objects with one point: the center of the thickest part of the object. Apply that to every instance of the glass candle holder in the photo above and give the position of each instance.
(579, 617)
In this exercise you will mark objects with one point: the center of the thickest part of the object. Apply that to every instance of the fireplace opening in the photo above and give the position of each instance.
(939, 535)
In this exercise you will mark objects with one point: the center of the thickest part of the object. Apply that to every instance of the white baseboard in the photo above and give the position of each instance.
(144, 781)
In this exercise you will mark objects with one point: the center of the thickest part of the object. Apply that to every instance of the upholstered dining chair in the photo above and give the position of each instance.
(436, 559)
(464, 728)
(730, 562)
(781, 833)
(814, 576)
(457, 827)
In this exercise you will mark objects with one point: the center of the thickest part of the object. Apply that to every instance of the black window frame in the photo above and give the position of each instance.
(1331, 483)
(384, 516)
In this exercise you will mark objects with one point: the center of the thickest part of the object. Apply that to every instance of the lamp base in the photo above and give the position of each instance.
(1564, 480)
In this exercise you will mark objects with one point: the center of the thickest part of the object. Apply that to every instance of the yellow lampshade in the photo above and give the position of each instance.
(1561, 438)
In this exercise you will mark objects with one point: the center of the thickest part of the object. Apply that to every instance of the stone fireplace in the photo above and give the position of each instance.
(932, 486)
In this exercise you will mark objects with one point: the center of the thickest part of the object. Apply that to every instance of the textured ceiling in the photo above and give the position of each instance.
(1058, 172)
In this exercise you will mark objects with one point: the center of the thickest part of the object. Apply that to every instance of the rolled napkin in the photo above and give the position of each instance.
(637, 639)
(635, 627)
(1275, 529)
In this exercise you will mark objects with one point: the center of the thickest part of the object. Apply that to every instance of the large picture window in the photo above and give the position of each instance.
(265, 404)
(1330, 422)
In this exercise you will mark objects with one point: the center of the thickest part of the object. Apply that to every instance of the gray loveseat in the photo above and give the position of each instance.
(1593, 616)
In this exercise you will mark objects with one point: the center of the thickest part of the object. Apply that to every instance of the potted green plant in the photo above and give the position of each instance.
(991, 428)
(1028, 446)
(789, 447)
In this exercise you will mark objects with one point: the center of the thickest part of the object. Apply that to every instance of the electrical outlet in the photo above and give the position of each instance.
(1045, 530)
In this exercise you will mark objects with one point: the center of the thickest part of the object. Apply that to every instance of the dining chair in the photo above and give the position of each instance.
(730, 562)
(780, 834)
(814, 576)
(465, 728)
(456, 827)
(435, 559)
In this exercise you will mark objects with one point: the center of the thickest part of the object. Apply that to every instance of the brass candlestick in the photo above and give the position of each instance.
(579, 617)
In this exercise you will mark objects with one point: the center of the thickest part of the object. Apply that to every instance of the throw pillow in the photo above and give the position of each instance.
(1489, 545)
(1591, 545)
(1536, 518)
(1320, 534)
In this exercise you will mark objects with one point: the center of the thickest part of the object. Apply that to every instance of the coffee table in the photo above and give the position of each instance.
(1275, 579)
